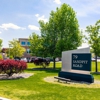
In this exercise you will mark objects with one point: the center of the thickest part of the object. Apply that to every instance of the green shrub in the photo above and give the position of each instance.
(11, 57)
(1, 57)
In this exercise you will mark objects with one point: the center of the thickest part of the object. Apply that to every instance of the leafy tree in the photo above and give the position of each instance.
(45, 41)
(1, 57)
(61, 32)
(16, 49)
(35, 44)
(0, 44)
(94, 39)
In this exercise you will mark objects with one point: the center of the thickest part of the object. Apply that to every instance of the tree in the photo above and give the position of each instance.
(94, 39)
(1, 56)
(16, 49)
(61, 32)
(0, 44)
(45, 41)
(35, 44)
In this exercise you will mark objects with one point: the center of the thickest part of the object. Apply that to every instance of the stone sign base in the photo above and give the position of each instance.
(77, 76)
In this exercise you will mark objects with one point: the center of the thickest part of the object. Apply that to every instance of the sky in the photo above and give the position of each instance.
(19, 18)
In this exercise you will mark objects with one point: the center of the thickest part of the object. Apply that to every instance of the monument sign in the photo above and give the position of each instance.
(76, 65)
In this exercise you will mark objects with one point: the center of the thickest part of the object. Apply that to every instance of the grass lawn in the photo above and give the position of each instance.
(35, 88)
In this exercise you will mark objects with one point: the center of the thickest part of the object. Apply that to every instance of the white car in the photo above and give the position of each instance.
(24, 59)
(93, 59)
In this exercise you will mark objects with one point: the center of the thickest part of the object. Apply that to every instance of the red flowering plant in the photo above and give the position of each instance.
(10, 67)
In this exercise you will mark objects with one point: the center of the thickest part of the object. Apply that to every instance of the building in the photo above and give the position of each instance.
(25, 43)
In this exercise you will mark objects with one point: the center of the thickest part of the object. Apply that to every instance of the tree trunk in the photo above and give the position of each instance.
(96, 64)
(54, 63)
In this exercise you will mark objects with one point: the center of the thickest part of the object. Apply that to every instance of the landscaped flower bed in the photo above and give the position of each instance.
(10, 67)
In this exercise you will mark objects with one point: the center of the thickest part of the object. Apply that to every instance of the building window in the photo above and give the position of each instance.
(28, 43)
(28, 50)
(23, 43)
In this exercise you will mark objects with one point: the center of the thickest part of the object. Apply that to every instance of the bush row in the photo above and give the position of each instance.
(10, 67)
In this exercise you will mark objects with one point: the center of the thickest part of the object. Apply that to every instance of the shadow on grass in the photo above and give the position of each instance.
(95, 73)
(48, 70)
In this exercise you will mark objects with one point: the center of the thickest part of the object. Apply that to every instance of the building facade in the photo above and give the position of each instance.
(25, 43)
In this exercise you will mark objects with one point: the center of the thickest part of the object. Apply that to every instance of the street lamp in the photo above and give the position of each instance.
(9, 49)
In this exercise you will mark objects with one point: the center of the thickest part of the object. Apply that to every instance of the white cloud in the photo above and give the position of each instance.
(0, 32)
(57, 1)
(87, 7)
(41, 18)
(82, 14)
(33, 27)
(1, 38)
(37, 15)
(11, 26)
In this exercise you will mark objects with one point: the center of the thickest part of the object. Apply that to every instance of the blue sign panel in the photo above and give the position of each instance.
(81, 61)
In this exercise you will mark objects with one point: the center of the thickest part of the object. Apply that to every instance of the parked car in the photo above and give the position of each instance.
(24, 59)
(32, 59)
(58, 59)
(51, 59)
(93, 59)
(17, 58)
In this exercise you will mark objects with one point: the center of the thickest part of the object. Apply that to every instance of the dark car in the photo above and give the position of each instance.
(32, 59)
(17, 58)
(51, 59)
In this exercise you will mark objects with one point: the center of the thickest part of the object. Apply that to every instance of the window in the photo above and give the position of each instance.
(23, 43)
(28, 43)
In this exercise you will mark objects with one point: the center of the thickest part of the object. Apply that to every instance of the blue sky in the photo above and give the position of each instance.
(19, 18)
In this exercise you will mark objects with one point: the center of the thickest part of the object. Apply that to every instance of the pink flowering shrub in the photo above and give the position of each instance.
(10, 67)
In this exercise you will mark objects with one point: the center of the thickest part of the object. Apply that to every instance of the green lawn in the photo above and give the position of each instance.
(35, 88)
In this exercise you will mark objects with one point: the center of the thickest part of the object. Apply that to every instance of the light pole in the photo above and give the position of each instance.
(9, 50)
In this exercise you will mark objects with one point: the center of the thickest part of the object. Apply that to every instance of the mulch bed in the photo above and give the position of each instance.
(15, 76)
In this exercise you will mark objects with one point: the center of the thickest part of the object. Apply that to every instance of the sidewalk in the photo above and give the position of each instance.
(1, 98)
